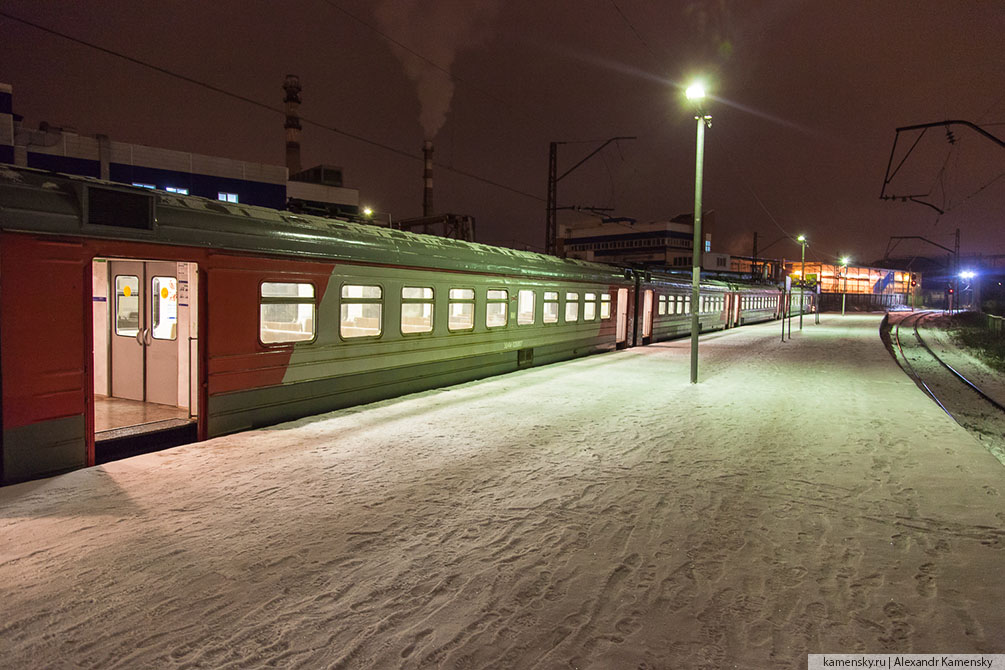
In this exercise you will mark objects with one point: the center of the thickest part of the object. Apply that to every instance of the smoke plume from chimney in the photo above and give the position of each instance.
(437, 29)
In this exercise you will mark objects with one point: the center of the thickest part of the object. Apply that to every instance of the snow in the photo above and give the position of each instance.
(804, 497)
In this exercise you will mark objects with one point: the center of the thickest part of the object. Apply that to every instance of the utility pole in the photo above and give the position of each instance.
(551, 223)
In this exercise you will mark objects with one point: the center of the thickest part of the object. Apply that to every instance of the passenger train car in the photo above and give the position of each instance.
(237, 317)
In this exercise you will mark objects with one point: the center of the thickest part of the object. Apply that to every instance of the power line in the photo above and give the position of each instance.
(638, 36)
(262, 105)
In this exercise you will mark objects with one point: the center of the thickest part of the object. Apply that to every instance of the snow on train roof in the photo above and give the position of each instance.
(203, 222)
(41, 201)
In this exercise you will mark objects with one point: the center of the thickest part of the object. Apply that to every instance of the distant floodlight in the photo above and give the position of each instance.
(695, 92)
(968, 274)
(801, 239)
(844, 261)
(367, 211)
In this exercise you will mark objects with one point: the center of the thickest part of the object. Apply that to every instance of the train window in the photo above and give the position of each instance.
(496, 308)
(551, 307)
(590, 307)
(461, 309)
(164, 308)
(687, 305)
(571, 307)
(127, 305)
(286, 312)
(662, 309)
(525, 308)
(680, 304)
(416, 310)
(605, 305)
(362, 310)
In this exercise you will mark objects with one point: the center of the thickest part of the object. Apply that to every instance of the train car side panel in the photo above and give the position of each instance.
(44, 362)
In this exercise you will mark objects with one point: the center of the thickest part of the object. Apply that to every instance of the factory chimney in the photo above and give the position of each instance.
(427, 176)
(292, 125)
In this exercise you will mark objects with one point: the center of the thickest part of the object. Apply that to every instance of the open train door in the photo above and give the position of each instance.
(145, 355)
(621, 338)
(647, 316)
(737, 304)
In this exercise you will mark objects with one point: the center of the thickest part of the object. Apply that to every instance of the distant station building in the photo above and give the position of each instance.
(317, 190)
(866, 288)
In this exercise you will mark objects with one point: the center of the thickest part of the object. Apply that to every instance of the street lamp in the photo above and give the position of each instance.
(844, 277)
(696, 94)
(802, 280)
(969, 276)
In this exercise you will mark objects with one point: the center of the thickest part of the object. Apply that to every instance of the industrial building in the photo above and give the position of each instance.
(316, 190)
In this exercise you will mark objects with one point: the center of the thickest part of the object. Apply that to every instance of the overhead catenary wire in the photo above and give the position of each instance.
(638, 36)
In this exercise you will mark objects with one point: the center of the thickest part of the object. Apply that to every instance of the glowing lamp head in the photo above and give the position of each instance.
(367, 211)
(695, 92)
(801, 239)
(844, 261)
(968, 274)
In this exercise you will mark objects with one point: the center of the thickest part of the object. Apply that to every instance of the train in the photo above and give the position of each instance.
(232, 317)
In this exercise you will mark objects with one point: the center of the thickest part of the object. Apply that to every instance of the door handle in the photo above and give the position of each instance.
(139, 336)
(146, 337)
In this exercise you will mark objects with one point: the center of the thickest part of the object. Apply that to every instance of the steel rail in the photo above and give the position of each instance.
(914, 373)
(953, 370)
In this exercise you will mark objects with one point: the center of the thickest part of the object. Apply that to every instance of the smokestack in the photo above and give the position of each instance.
(427, 176)
(292, 125)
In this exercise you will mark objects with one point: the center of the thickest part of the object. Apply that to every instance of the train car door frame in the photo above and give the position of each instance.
(621, 336)
(157, 328)
(647, 315)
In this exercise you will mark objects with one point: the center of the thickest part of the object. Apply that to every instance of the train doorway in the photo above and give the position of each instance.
(145, 334)
(621, 338)
(647, 316)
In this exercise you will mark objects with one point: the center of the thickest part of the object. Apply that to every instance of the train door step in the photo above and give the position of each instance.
(126, 441)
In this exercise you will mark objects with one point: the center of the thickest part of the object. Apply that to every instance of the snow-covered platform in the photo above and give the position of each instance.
(804, 497)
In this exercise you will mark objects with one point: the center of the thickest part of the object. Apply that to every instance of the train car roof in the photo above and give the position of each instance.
(43, 202)
(681, 281)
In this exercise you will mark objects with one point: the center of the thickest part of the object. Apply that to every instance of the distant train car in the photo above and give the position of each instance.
(228, 317)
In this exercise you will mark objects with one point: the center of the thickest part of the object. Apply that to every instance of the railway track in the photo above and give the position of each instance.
(956, 393)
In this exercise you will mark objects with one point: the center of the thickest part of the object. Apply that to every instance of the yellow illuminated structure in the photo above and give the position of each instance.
(857, 280)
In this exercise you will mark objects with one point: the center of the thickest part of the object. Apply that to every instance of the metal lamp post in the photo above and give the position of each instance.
(696, 94)
(802, 280)
(844, 277)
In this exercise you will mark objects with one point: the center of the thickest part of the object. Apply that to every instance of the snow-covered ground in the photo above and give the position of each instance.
(805, 497)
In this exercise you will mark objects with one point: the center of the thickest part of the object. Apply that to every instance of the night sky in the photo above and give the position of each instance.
(807, 97)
